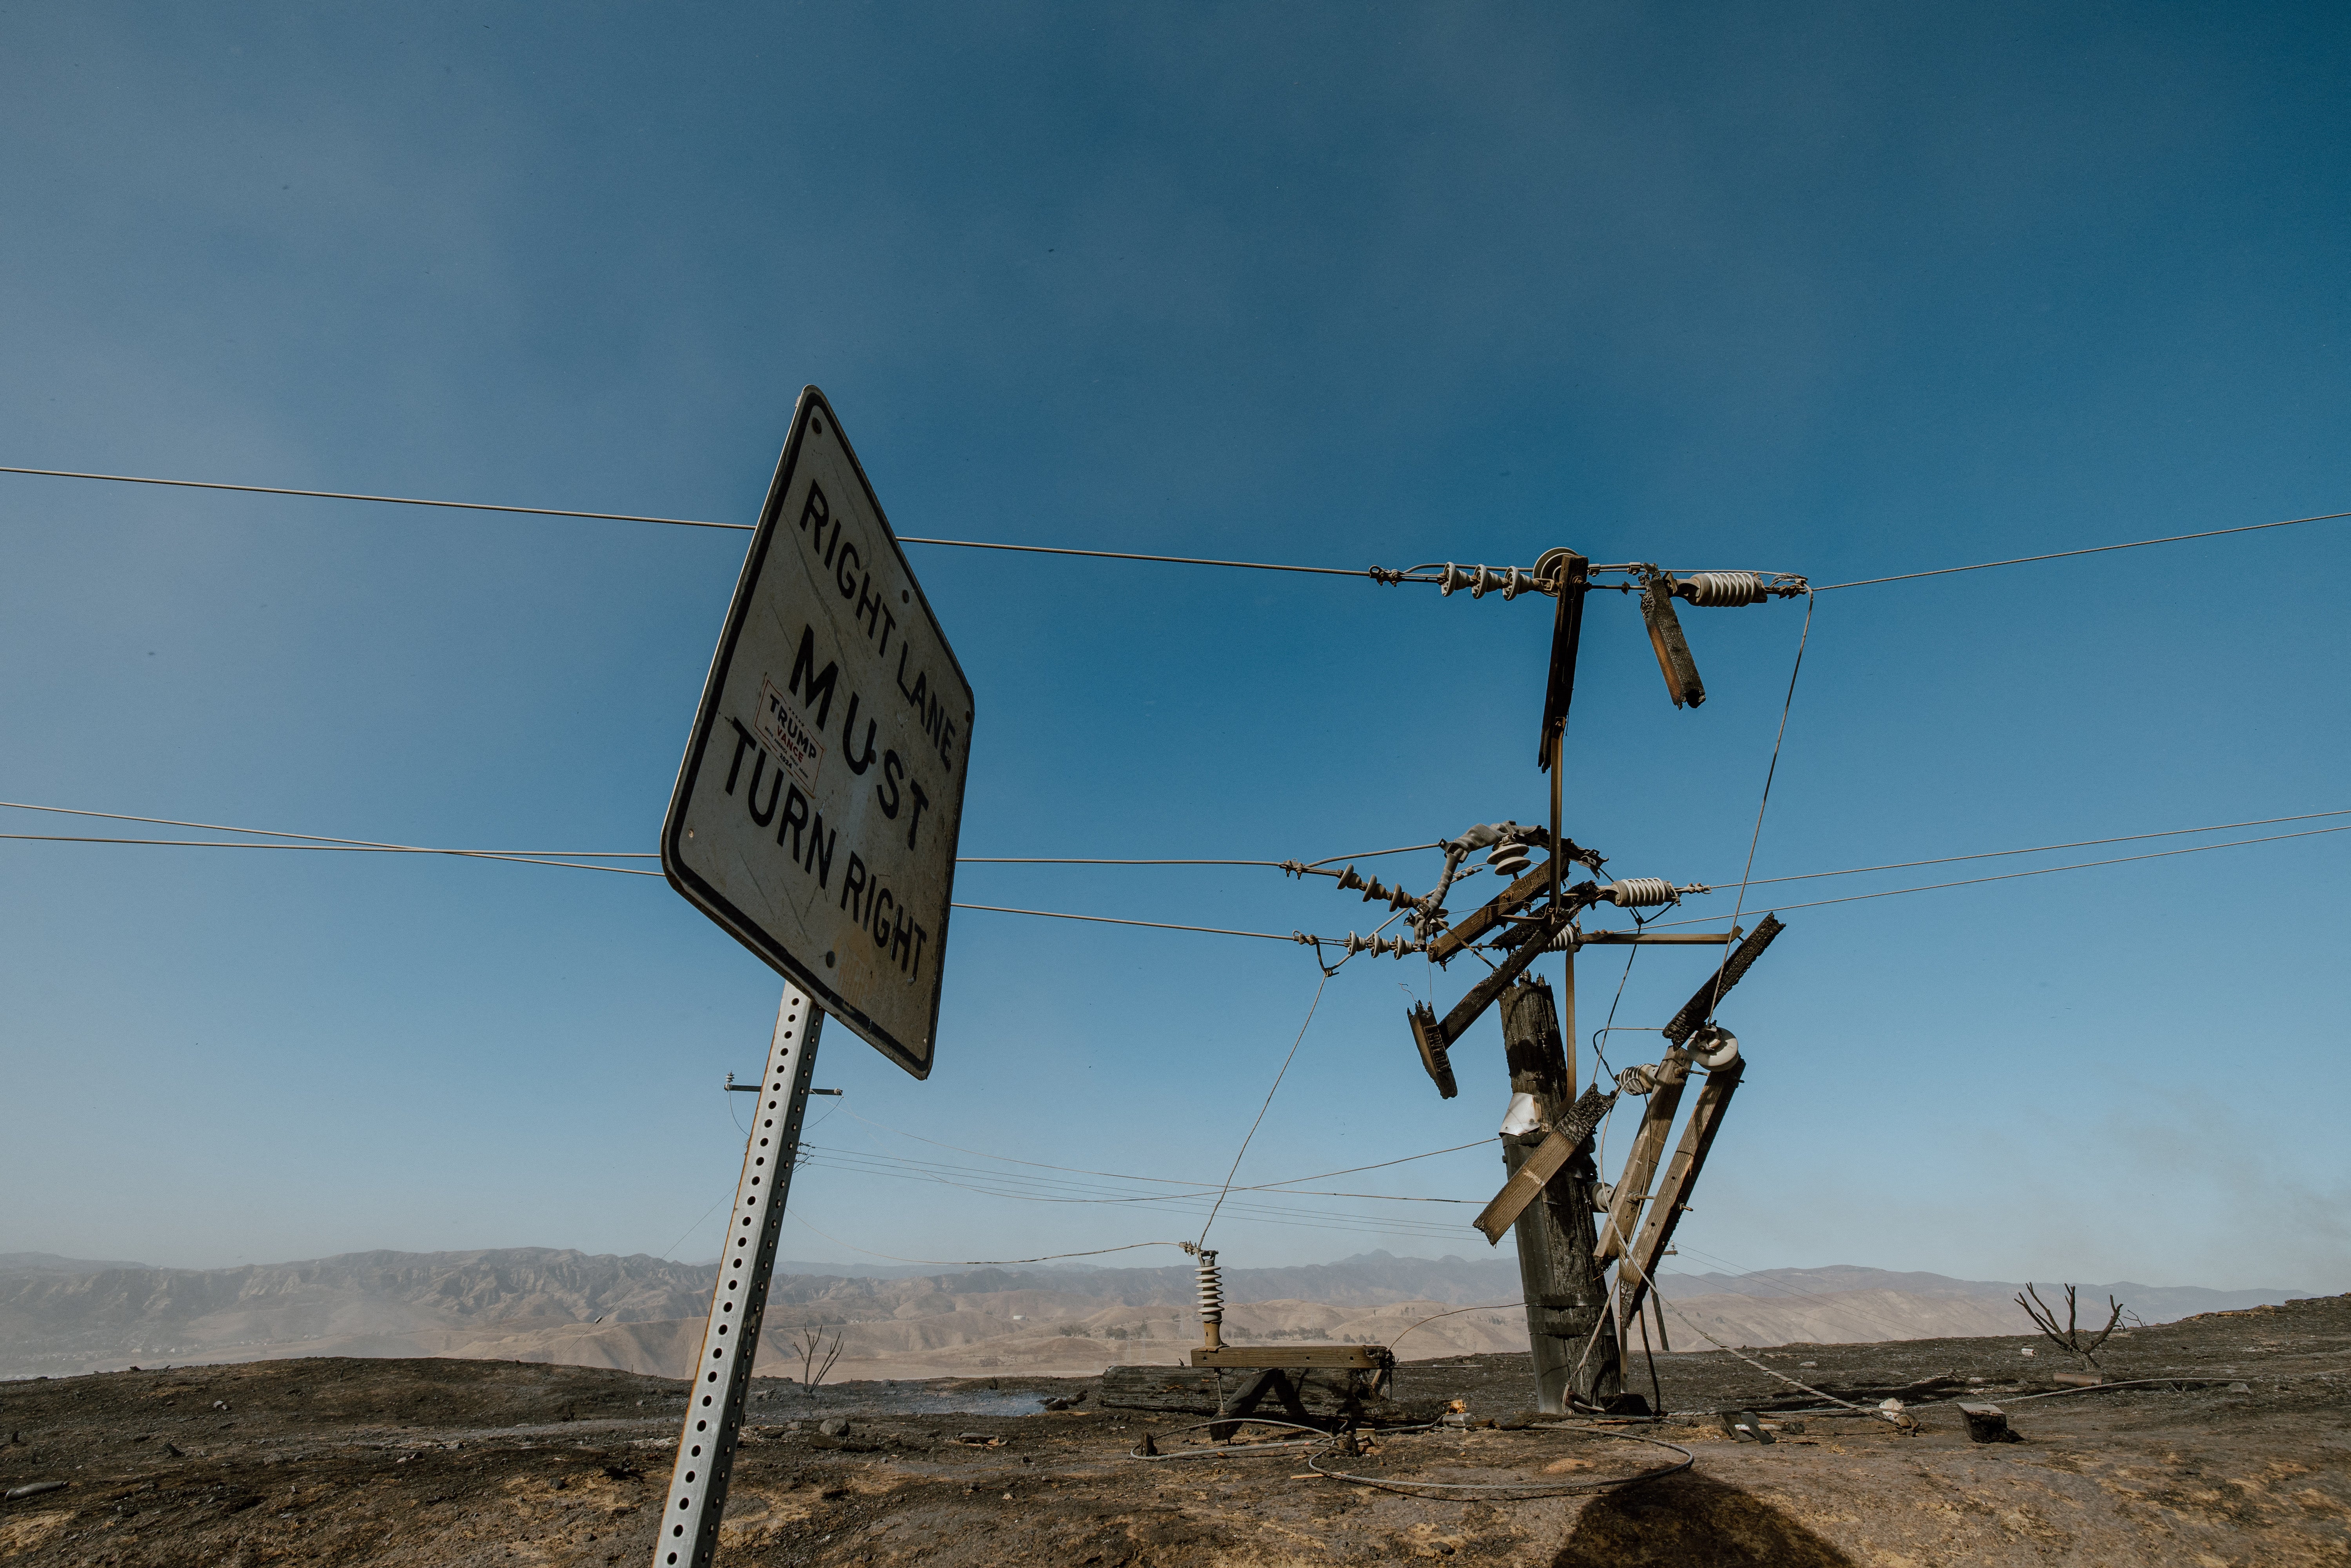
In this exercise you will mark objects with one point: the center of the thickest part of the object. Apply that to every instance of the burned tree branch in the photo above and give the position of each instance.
(2069, 1339)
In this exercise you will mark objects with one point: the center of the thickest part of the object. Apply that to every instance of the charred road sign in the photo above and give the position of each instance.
(816, 813)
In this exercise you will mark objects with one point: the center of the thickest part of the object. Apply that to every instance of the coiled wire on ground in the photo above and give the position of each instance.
(1324, 1443)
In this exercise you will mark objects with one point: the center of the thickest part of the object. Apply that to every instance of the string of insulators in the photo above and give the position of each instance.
(1481, 580)
(1380, 946)
(1212, 1288)
(1396, 897)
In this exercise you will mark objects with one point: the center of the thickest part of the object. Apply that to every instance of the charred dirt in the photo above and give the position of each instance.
(2236, 1452)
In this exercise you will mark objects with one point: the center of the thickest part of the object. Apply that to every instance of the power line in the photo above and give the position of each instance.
(387, 500)
(2047, 870)
(1164, 1181)
(1376, 574)
(1193, 1202)
(1070, 859)
(327, 849)
(988, 1262)
(578, 861)
(2038, 848)
(1155, 924)
(316, 838)
(2094, 549)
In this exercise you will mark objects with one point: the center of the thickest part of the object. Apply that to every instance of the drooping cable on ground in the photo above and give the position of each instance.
(2092, 550)
(1243, 1152)
(1625, 1256)
(1527, 1489)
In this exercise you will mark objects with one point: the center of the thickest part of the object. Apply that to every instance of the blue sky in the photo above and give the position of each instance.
(1846, 291)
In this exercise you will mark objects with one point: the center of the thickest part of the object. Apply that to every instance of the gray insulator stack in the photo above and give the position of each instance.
(1720, 590)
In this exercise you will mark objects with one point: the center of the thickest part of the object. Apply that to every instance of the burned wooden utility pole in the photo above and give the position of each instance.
(1566, 1299)
(1547, 1202)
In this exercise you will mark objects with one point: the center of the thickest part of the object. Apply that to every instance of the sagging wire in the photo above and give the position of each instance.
(1164, 1181)
(1520, 1305)
(1625, 1257)
(1771, 772)
(1261, 1110)
(984, 1262)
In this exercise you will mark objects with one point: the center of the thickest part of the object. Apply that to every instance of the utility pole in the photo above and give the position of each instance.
(1547, 1201)
(1566, 1298)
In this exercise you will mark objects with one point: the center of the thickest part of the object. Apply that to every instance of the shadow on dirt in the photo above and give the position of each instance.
(1691, 1519)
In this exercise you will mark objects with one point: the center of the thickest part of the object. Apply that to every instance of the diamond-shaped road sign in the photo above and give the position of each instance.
(817, 810)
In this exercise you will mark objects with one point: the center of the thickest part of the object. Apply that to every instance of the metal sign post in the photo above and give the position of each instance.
(730, 1343)
(828, 852)
(817, 809)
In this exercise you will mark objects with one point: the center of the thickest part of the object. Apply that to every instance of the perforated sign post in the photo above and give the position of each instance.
(815, 818)
(817, 810)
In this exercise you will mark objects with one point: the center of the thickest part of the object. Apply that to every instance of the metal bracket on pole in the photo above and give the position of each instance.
(730, 1343)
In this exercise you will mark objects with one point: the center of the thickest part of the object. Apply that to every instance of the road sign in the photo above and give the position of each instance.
(817, 810)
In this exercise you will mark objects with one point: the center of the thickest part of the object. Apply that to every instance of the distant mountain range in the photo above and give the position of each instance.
(61, 1315)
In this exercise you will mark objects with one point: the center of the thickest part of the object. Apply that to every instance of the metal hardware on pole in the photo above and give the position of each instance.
(730, 1342)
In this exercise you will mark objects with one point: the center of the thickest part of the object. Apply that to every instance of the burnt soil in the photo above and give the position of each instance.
(462, 1462)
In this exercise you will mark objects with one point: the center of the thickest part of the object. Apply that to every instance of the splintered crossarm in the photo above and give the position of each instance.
(1527, 1182)
(1641, 1164)
(1673, 1193)
(1702, 1003)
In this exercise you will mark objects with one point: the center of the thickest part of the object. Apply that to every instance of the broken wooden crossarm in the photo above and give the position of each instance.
(1549, 1156)
(1672, 1197)
(1665, 1082)
(1484, 918)
(1703, 1002)
(1434, 1036)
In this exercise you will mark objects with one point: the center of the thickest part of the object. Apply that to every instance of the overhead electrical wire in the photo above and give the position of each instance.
(325, 849)
(1376, 574)
(1196, 1202)
(980, 1263)
(2038, 848)
(1164, 1181)
(387, 500)
(2047, 870)
(2092, 550)
(323, 838)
